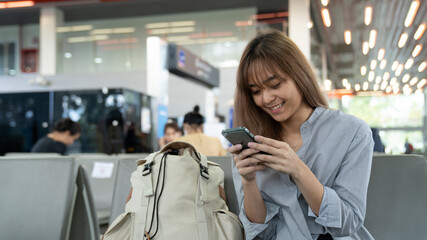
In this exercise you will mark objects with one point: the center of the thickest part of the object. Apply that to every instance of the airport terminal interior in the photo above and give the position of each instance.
(123, 69)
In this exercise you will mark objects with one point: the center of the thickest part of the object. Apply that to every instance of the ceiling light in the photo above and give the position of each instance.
(388, 89)
(386, 76)
(365, 48)
(422, 66)
(357, 87)
(396, 89)
(409, 63)
(310, 25)
(371, 76)
(394, 65)
(344, 82)
(16, 4)
(406, 78)
(365, 86)
(399, 70)
(325, 2)
(413, 81)
(381, 53)
(383, 85)
(378, 79)
(373, 64)
(376, 87)
(417, 50)
(383, 63)
(77, 28)
(348, 87)
(326, 17)
(393, 80)
(422, 83)
(328, 84)
(402, 40)
(157, 25)
(411, 13)
(368, 15)
(407, 89)
(372, 38)
(420, 31)
(347, 37)
(363, 70)
(183, 24)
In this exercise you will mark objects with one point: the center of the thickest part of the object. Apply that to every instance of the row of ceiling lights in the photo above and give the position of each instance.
(396, 67)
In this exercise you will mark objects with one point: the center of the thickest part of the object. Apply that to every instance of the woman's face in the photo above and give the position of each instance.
(171, 135)
(277, 96)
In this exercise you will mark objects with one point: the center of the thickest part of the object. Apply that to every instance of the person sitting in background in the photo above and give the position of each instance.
(171, 132)
(64, 133)
(193, 129)
(378, 144)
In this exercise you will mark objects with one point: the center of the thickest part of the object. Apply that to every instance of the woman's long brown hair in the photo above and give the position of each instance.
(274, 53)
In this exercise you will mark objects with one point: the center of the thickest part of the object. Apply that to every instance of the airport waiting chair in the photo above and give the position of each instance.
(31, 154)
(45, 198)
(122, 186)
(397, 197)
(101, 171)
(225, 164)
(133, 155)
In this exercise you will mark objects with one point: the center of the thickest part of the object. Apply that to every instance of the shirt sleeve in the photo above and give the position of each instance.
(343, 206)
(264, 230)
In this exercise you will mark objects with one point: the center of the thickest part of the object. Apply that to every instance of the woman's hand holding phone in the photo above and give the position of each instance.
(245, 161)
(283, 158)
(243, 155)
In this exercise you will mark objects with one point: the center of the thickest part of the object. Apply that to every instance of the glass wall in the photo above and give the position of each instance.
(19, 46)
(112, 120)
(218, 37)
(24, 118)
(399, 118)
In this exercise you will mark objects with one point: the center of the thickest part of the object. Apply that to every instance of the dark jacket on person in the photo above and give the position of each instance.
(48, 145)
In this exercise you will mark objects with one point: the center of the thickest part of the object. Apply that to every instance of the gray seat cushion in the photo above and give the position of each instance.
(397, 197)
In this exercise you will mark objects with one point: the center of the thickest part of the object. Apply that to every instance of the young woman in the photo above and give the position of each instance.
(64, 133)
(314, 183)
(171, 132)
(193, 129)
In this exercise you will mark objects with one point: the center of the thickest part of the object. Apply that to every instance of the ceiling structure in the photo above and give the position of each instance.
(386, 66)
(344, 61)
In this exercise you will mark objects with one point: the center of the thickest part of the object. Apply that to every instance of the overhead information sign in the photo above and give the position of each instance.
(184, 63)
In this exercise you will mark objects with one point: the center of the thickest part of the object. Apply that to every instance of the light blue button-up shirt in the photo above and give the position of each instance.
(338, 148)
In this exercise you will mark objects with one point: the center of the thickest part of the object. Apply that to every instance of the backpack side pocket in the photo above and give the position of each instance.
(121, 228)
(227, 225)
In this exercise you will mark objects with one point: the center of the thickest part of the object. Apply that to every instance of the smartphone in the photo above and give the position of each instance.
(238, 135)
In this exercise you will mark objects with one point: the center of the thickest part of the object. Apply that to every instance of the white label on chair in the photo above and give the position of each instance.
(102, 170)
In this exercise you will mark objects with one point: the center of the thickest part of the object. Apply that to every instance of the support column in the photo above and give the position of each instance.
(158, 80)
(299, 16)
(50, 18)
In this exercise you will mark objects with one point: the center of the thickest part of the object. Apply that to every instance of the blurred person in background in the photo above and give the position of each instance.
(193, 130)
(133, 143)
(171, 133)
(378, 144)
(409, 148)
(64, 133)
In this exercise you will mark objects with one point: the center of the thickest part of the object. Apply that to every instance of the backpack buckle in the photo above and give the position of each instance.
(204, 171)
(147, 169)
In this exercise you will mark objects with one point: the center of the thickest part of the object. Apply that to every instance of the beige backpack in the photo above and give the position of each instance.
(176, 195)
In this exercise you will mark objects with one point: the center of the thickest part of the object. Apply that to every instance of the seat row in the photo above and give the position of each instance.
(54, 197)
